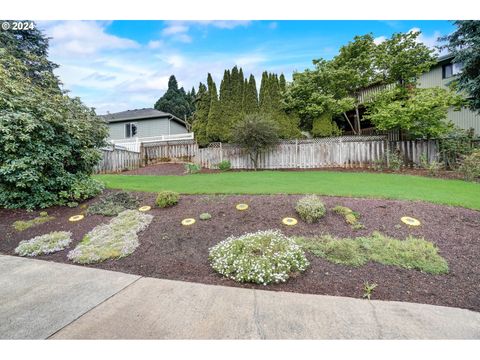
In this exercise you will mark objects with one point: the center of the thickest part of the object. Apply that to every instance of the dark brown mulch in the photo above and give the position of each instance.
(169, 250)
(179, 169)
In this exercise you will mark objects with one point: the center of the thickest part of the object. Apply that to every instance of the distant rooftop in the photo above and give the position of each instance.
(138, 114)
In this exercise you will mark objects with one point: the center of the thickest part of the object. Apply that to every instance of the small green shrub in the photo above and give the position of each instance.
(167, 198)
(205, 216)
(224, 165)
(117, 239)
(395, 161)
(44, 244)
(470, 166)
(368, 289)
(432, 166)
(411, 253)
(310, 208)
(191, 168)
(263, 257)
(114, 203)
(21, 225)
(72, 204)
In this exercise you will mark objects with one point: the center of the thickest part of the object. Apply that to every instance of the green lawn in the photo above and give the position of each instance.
(391, 186)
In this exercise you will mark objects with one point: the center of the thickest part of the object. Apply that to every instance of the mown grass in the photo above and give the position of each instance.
(355, 184)
(411, 253)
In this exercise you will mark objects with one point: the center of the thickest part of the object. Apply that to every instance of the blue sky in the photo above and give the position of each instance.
(120, 65)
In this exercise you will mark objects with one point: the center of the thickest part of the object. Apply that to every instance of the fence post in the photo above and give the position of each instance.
(388, 152)
(296, 152)
(143, 158)
(221, 153)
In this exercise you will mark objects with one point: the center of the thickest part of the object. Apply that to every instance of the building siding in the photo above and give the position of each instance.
(465, 118)
(147, 128)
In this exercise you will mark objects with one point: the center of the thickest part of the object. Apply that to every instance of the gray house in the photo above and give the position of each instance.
(141, 124)
(441, 75)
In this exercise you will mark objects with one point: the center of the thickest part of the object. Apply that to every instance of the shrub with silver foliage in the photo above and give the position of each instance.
(44, 244)
(114, 240)
(263, 257)
(310, 208)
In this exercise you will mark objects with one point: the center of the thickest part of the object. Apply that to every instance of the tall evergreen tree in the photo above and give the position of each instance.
(175, 101)
(250, 102)
(282, 83)
(200, 118)
(215, 130)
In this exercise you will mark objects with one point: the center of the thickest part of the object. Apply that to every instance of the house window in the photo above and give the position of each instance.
(449, 70)
(130, 130)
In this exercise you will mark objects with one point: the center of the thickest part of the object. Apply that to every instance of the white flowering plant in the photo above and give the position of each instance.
(262, 257)
(44, 244)
(114, 240)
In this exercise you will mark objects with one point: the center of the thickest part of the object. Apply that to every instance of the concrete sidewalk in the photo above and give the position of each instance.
(49, 300)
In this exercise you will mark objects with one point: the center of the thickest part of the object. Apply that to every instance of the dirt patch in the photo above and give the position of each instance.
(171, 251)
(179, 169)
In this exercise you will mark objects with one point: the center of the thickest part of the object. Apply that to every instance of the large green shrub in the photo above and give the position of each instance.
(310, 208)
(224, 165)
(263, 257)
(470, 166)
(167, 198)
(324, 126)
(48, 141)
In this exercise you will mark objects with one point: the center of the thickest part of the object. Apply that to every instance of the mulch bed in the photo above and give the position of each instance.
(171, 251)
(179, 169)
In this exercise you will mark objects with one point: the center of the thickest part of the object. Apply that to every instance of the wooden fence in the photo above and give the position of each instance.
(332, 152)
(116, 160)
(163, 152)
(344, 151)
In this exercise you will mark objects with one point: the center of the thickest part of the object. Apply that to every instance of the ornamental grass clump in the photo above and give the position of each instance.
(310, 208)
(114, 240)
(351, 217)
(167, 198)
(263, 257)
(44, 244)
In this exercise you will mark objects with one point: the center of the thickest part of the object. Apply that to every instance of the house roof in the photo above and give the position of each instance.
(139, 114)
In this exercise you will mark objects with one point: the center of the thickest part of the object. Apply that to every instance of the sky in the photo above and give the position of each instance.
(122, 65)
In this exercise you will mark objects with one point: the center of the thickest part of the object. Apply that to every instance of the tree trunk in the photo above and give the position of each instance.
(349, 123)
(357, 118)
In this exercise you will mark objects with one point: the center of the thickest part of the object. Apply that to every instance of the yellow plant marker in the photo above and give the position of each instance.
(410, 221)
(76, 218)
(242, 207)
(188, 222)
(144, 208)
(289, 221)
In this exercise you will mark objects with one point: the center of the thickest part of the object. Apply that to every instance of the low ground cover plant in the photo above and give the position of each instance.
(351, 217)
(310, 208)
(114, 240)
(21, 225)
(470, 166)
(44, 244)
(262, 257)
(113, 204)
(191, 168)
(411, 253)
(167, 198)
(368, 289)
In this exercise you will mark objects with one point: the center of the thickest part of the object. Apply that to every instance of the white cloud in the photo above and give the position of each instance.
(175, 28)
(379, 40)
(155, 44)
(83, 38)
(223, 24)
